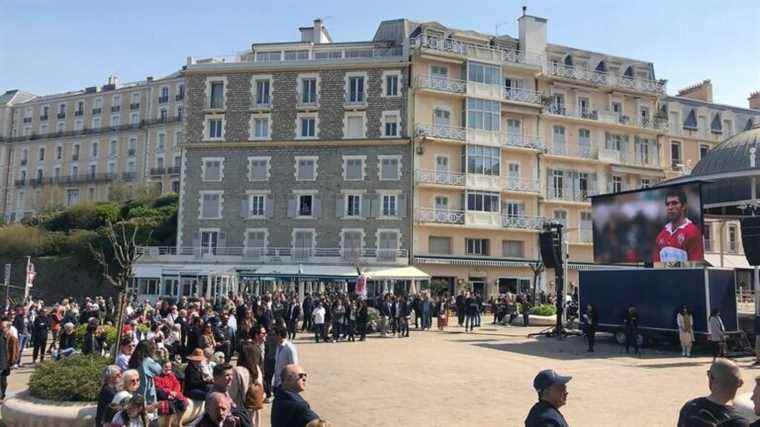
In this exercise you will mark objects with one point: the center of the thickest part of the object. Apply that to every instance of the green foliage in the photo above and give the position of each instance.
(81, 216)
(544, 310)
(81, 331)
(19, 240)
(74, 379)
(107, 212)
(171, 199)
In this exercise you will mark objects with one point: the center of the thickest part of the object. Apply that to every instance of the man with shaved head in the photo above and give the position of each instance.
(717, 408)
(289, 408)
(218, 412)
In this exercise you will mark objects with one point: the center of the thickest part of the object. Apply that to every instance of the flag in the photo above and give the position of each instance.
(30, 273)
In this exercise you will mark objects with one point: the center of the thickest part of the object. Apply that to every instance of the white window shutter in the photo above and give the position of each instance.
(375, 203)
(340, 206)
(292, 206)
(366, 207)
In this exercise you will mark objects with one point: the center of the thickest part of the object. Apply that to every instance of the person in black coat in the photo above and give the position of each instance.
(460, 305)
(196, 386)
(293, 314)
(403, 317)
(40, 329)
(631, 322)
(5, 364)
(362, 320)
(590, 322)
(308, 309)
(91, 343)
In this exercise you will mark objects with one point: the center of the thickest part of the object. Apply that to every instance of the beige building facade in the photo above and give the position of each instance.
(91, 145)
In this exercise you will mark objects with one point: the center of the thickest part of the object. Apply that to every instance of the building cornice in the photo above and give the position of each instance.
(298, 143)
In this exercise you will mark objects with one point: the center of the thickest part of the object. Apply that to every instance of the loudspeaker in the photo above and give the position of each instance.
(751, 239)
(550, 250)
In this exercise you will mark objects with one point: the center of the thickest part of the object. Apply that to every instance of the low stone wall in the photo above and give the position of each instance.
(23, 410)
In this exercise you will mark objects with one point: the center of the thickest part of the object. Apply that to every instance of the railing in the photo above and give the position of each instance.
(441, 83)
(95, 131)
(19, 182)
(523, 141)
(617, 188)
(61, 115)
(96, 111)
(278, 255)
(439, 177)
(115, 108)
(521, 184)
(607, 117)
(460, 134)
(522, 95)
(444, 132)
(157, 171)
(605, 79)
(179, 97)
(439, 216)
(163, 99)
(174, 170)
(70, 179)
(581, 151)
(27, 119)
(43, 118)
(569, 194)
(585, 234)
(313, 55)
(134, 106)
(478, 52)
(523, 222)
(79, 113)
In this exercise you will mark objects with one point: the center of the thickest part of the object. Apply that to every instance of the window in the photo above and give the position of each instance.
(132, 147)
(390, 168)
(258, 205)
(43, 128)
(353, 168)
(72, 197)
(269, 56)
(391, 124)
(41, 154)
(390, 84)
(306, 168)
(215, 128)
(59, 152)
(297, 55)
(161, 143)
(74, 170)
(441, 202)
(93, 170)
(75, 153)
(113, 149)
(309, 91)
(703, 149)
(439, 245)
(617, 183)
(476, 247)
(732, 242)
(96, 122)
(94, 150)
(307, 127)
(558, 141)
(164, 94)
(212, 169)
(262, 87)
(351, 243)
(39, 174)
(356, 89)
(354, 125)
(483, 160)
(260, 127)
(111, 168)
(390, 205)
(645, 182)
(707, 232)
(483, 114)
(388, 242)
(115, 120)
(560, 216)
(584, 107)
(484, 73)
(211, 205)
(134, 118)
(354, 205)
(617, 108)
(514, 209)
(258, 168)
(675, 153)
(305, 205)
(255, 242)
(78, 124)
(483, 201)
(216, 95)
(303, 243)
(584, 142)
(513, 248)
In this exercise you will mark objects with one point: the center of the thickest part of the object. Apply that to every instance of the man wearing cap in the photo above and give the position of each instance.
(552, 393)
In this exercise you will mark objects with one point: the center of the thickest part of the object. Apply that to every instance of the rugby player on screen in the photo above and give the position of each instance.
(680, 239)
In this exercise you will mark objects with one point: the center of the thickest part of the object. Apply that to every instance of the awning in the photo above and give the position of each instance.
(147, 271)
(729, 261)
(303, 271)
(396, 273)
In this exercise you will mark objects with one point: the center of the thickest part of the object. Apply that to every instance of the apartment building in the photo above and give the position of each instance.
(514, 132)
(298, 162)
(66, 148)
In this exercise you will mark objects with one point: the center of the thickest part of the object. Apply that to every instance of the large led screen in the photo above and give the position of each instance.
(658, 225)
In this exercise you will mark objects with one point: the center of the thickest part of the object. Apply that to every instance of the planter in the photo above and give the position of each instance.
(27, 411)
(536, 320)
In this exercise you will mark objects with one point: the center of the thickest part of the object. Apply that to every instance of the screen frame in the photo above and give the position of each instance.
(698, 183)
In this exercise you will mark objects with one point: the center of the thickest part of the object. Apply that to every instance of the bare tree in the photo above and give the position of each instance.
(118, 266)
(537, 268)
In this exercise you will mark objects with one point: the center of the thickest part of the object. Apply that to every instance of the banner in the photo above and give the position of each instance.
(361, 286)
(30, 273)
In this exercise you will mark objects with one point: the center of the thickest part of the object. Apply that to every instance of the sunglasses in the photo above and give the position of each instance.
(135, 381)
(302, 376)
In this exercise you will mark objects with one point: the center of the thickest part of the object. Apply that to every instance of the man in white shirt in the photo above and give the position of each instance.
(318, 316)
(286, 354)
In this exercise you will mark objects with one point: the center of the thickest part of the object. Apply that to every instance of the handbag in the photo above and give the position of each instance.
(254, 396)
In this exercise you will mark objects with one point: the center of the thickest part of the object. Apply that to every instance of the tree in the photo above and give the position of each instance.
(118, 267)
(537, 268)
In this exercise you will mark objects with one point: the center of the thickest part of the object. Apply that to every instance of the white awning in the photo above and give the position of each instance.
(729, 261)
(397, 273)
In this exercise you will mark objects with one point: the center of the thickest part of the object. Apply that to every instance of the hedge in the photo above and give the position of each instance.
(74, 379)
(544, 310)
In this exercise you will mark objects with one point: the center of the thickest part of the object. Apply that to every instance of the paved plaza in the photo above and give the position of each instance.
(484, 379)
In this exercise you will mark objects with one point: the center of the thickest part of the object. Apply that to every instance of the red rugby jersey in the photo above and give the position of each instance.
(682, 244)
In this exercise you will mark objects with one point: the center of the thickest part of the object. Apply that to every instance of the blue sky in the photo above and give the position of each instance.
(46, 47)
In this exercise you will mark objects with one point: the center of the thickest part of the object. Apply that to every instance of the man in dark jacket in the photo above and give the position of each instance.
(294, 313)
(40, 330)
(289, 408)
(308, 308)
(552, 394)
(460, 306)
(631, 322)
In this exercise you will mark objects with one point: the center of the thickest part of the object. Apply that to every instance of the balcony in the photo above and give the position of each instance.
(115, 108)
(96, 111)
(515, 140)
(131, 152)
(174, 170)
(442, 132)
(522, 95)
(439, 177)
(477, 52)
(268, 255)
(585, 234)
(129, 176)
(43, 118)
(61, 115)
(75, 157)
(179, 97)
(442, 84)
(521, 185)
(598, 78)
(608, 117)
(439, 216)
(569, 194)
(134, 106)
(23, 162)
(522, 222)
(157, 171)
(27, 119)
(19, 182)
(163, 99)
(79, 113)
(581, 151)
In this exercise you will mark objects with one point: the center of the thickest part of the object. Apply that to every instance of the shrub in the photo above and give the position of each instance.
(74, 379)
(19, 240)
(107, 212)
(171, 199)
(82, 216)
(81, 330)
(544, 310)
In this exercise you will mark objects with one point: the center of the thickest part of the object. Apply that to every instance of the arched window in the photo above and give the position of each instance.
(601, 67)
(628, 72)
(569, 61)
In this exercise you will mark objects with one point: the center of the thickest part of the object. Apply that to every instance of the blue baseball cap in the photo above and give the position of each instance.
(548, 378)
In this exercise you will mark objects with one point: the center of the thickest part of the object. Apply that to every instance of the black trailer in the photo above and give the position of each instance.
(658, 294)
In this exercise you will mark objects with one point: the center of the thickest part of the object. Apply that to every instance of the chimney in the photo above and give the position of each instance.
(532, 33)
(113, 80)
(754, 100)
(320, 34)
(701, 91)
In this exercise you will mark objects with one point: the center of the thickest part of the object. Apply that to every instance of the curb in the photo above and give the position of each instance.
(25, 410)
